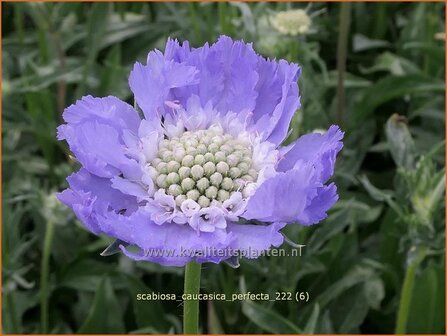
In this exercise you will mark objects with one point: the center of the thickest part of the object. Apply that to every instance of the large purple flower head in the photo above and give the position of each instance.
(202, 175)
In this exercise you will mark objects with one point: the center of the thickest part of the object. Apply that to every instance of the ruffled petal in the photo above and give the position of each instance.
(320, 150)
(95, 130)
(90, 196)
(153, 84)
(169, 244)
(278, 98)
(283, 197)
(252, 240)
(108, 110)
(319, 205)
(99, 148)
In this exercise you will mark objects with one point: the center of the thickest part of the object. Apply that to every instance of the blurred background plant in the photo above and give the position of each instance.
(376, 265)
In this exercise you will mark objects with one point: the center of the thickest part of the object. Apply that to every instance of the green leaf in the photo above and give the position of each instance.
(374, 292)
(427, 310)
(311, 324)
(147, 313)
(267, 319)
(392, 87)
(105, 314)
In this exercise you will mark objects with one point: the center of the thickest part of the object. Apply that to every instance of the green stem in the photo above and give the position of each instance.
(342, 50)
(407, 291)
(44, 275)
(12, 313)
(191, 307)
(222, 7)
(195, 23)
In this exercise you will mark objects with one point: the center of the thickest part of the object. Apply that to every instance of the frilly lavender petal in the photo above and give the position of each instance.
(202, 176)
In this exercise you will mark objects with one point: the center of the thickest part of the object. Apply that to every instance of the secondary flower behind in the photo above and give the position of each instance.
(204, 168)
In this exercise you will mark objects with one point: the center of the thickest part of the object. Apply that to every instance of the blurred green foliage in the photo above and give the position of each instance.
(391, 172)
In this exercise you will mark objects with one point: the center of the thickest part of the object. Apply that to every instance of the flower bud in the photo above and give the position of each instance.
(161, 181)
(232, 160)
(209, 157)
(167, 156)
(188, 161)
(201, 149)
(193, 194)
(174, 190)
(184, 172)
(209, 168)
(162, 168)
(188, 184)
(227, 184)
(203, 184)
(179, 200)
(216, 179)
(223, 195)
(203, 201)
(197, 172)
(222, 167)
(199, 159)
(219, 156)
(235, 172)
(173, 166)
(211, 192)
(172, 178)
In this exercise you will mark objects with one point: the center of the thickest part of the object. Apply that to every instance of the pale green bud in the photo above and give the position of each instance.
(197, 172)
(209, 157)
(173, 166)
(193, 194)
(202, 184)
(243, 166)
(161, 181)
(188, 161)
(162, 168)
(188, 184)
(179, 154)
(211, 192)
(223, 195)
(232, 160)
(213, 148)
(227, 184)
(174, 190)
(235, 172)
(172, 178)
(199, 159)
(247, 178)
(226, 149)
(206, 140)
(209, 168)
(155, 162)
(179, 200)
(216, 179)
(253, 173)
(203, 201)
(167, 156)
(201, 149)
(222, 167)
(191, 151)
(184, 172)
(219, 156)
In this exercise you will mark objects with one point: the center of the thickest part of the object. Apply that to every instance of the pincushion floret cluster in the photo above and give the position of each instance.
(203, 168)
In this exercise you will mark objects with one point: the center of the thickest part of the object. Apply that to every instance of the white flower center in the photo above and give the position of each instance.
(206, 166)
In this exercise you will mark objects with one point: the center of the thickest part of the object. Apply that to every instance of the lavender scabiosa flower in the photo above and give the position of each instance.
(204, 167)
